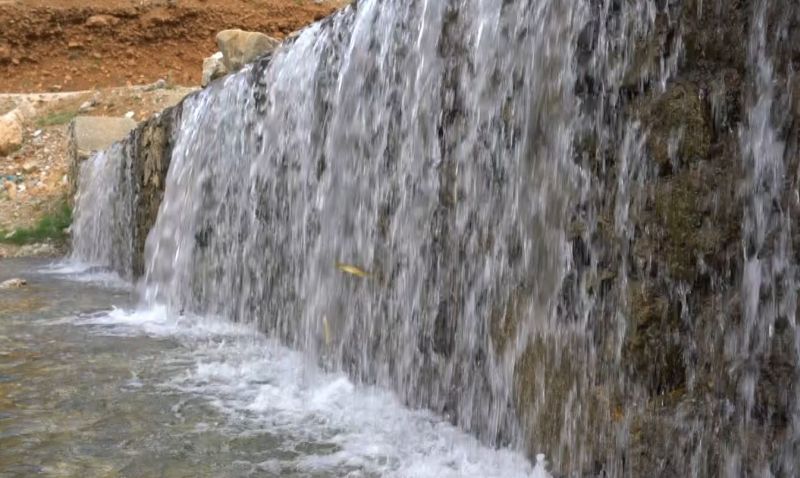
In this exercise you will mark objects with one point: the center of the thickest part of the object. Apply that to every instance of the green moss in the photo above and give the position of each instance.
(689, 233)
(49, 228)
(681, 117)
(56, 119)
(653, 348)
(542, 383)
(644, 61)
(548, 379)
(505, 319)
(676, 207)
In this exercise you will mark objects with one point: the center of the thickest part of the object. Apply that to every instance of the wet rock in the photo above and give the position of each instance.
(715, 33)
(239, 47)
(653, 347)
(679, 126)
(545, 378)
(150, 145)
(682, 265)
(13, 284)
(213, 68)
(654, 436)
(682, 244)
(725, 92)
(506, 317)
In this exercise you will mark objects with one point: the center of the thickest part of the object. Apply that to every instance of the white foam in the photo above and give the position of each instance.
(86, 273)
(262, 386)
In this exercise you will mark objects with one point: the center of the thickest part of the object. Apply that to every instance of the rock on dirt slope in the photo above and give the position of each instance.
(103, 58)
(68, 45)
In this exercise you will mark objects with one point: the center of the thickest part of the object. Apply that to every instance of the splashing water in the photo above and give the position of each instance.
(262, 387)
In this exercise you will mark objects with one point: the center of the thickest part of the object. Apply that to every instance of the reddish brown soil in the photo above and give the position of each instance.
(51, 45)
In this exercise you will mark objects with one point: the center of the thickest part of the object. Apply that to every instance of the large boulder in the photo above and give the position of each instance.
(10, 132)
(89, 134)
(213, 68)
(239, 47)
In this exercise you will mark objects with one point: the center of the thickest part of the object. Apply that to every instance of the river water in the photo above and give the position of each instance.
(91, 386)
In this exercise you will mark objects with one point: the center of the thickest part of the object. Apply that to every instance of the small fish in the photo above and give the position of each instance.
(326, 330)
(352, 270)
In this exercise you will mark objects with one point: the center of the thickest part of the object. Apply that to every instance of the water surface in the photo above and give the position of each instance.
(91, 386)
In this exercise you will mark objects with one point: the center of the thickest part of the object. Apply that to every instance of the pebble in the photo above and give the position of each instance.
(11, 190)
(86, 106)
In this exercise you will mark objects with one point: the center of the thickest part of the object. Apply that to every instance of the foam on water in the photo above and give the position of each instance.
(78, 271)
(262, 386)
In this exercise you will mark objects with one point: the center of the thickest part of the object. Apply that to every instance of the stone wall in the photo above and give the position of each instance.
(151, 145)
(677, 403)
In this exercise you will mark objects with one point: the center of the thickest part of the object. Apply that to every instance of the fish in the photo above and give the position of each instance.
(352, 270)
(326, 330)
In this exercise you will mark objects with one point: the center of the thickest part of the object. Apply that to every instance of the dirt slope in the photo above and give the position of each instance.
(68, 45)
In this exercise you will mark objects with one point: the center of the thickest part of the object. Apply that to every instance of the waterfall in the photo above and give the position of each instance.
(770, 275)
(565, 226)
(393, 194)
(104, 210)
(390, 194)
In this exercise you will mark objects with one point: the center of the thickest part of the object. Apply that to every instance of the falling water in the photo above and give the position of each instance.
(389, 182)
(451, 199)
(392, 194)
(104, 209)
(770, 276)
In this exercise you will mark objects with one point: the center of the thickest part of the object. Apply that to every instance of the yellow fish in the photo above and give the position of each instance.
(326, 330)
(352, 270)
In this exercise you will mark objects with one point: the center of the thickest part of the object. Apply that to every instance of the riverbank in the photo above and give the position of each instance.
(34, 182)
